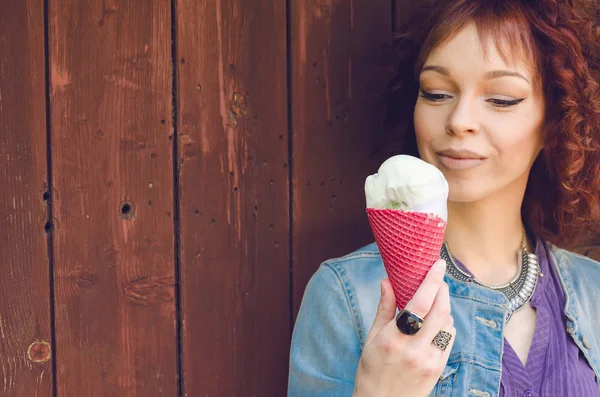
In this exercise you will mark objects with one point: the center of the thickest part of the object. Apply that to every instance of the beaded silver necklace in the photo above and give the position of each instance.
(519, 291)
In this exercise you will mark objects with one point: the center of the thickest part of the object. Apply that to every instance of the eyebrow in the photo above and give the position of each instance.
(494, 74)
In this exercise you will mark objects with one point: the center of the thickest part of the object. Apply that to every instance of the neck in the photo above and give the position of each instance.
(486, 236)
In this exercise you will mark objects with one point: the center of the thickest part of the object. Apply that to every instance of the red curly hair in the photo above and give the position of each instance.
(560, 38)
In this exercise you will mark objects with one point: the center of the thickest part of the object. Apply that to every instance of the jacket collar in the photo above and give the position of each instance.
(578, 324)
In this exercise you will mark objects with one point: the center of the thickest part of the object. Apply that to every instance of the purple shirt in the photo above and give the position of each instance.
(555, 366)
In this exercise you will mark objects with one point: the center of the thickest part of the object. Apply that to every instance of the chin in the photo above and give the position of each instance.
(467, 192)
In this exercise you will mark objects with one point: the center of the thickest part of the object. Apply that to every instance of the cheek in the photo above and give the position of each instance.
(421, 122)
(519, 132)
(427, 124)
(518, 143)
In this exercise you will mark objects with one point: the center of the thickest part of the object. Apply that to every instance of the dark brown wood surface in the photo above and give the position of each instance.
(233, 155)
(404, 8)
(111, 114)
(25, 332)
(337, 52)
(231, 160)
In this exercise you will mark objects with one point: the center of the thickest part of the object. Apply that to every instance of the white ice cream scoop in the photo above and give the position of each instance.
(408, 183)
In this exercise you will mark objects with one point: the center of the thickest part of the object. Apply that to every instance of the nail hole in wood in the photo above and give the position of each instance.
(127, 210)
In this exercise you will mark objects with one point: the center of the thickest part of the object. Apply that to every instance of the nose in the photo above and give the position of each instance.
(462, 119)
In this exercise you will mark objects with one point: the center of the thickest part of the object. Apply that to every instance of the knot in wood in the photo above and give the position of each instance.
(238, 106)
(150, 290)
(39, 351)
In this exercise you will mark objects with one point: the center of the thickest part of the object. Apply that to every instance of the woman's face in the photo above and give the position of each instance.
(477, 118)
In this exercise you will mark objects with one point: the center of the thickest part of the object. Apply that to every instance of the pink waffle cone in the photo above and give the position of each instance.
(409, 243)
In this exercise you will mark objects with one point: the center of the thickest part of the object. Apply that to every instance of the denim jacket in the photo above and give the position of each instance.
(341, 299)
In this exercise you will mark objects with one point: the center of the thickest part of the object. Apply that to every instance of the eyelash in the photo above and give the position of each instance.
(501, 103)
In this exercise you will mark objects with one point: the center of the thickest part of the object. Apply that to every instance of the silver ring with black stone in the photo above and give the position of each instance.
(408, 322)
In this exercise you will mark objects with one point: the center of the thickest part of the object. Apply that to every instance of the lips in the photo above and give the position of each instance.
(461, 154)
(460, 159)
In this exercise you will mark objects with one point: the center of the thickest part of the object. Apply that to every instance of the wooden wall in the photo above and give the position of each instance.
(171, 175)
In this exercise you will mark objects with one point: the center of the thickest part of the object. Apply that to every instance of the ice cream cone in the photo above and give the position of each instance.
(409, 242)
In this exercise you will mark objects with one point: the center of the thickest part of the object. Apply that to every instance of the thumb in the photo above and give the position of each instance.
(385, 311)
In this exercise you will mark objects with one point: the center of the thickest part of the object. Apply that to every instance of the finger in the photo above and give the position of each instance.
(423, 299)
(437, 316)
(385, 311)
(445, 353)
(430, 286)
(435, 355)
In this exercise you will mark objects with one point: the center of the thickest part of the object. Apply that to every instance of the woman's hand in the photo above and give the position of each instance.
(394, 364)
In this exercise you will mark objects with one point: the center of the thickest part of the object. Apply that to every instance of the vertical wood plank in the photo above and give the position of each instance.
(111, 109)
(234, 196)
(338, 49)
(25, 334)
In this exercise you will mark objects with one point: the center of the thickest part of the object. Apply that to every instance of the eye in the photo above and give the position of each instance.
(503, 103)
(434, 97)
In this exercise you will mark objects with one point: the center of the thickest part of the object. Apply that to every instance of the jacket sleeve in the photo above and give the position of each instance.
(325, 349)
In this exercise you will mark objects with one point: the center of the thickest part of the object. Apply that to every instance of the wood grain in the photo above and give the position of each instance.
(25, 335)
(234, 196)
(111, 112)
(338, 49)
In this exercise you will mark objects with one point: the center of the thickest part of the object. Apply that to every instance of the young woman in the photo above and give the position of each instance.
(502, 96)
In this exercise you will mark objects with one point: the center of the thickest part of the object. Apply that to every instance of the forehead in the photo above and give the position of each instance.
(474, 48)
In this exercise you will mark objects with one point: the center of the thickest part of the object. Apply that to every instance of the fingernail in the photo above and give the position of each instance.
(440, 266)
